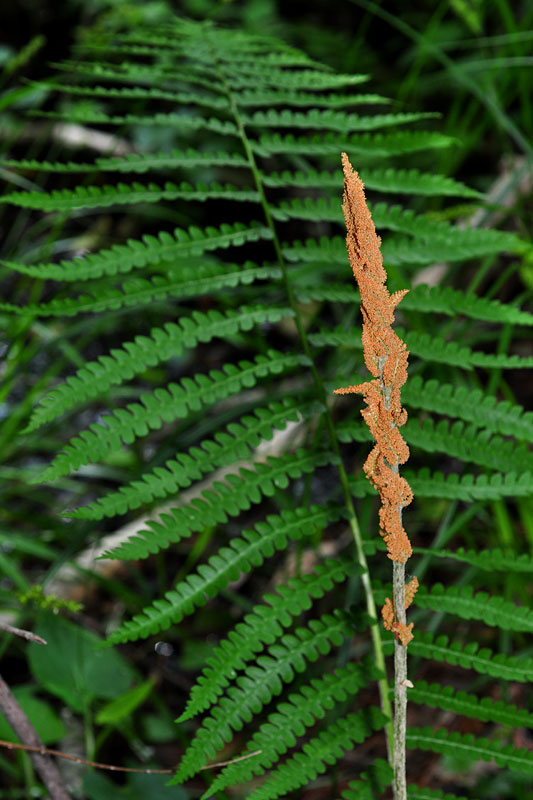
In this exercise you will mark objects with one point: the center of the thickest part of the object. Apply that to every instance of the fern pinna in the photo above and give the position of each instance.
(243, 259)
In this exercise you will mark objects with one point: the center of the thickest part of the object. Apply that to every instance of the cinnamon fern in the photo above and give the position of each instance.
(205, 341)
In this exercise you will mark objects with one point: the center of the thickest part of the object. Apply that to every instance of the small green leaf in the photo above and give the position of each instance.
(124, 704)
(73, 666)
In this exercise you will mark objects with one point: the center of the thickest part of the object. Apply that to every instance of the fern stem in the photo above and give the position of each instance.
(400, 684)
(377, 643)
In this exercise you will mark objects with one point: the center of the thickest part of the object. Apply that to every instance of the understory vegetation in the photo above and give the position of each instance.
(186, 522)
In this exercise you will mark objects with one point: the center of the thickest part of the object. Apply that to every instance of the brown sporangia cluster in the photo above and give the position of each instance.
(385, 356)
(390, 623)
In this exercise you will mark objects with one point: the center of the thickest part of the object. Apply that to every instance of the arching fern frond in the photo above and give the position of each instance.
(428, 348)
(133, 358)
(140, 292)
(494, 560)
(215, 103)
(326, 748)
(150, 250)
(470, 445)
(458, 487)
(470, 405)
(398, 250)
(290, 719)
(84, 197)
(427, 300)
(372, 783)
(396, 181)
(445, 300)
(250, 549)
(365, 146)
(172, 120)
(239, 491)
(263, 626)
(222, 451)
(330, 120)
(259, 685)
(462, 601)
(135, 162)
(485, 709)
(272, 97)
(471, 749)
(467, 443)
(310, 80)
(470, 487)
(165, 405)
(469, 656)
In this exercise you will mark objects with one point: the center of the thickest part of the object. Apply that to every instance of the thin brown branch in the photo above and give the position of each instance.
(46, 751)
(31, 742)
(28, 635)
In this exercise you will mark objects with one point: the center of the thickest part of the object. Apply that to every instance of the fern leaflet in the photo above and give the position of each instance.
(262, 626)
(470, 748)
(251, 548)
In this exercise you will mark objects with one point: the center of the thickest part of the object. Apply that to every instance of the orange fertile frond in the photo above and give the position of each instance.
(385, 356)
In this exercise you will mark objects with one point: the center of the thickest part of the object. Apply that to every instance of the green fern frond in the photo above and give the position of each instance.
(396, 181)
(467, 443)
(324, 749)
(458, 245)
(150, 250)
(445, 300)
(461, 601)
(135, 162)
(470, 405)
(83, 197)
(468, 656)
(226, 448)
(260, 683)
(272, 97)
(430, 300)
(469, 748)
(393, 218)
(241, 62)
(371, 783)
(428, 348)
(130, 72)
(261, 627)
(239, 491)
(243, 552)
(494, 560)
(310, 80)
(330, 120)
(470, 487)
(291, 719)
(133, 358)
(172, 120)
(364, 146)
(165, 405)
(468, 705)
(137, 93)
(466, 244)
(141, 292)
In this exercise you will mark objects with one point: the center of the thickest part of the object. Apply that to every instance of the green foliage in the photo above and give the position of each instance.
(72, 667)
(198, 349)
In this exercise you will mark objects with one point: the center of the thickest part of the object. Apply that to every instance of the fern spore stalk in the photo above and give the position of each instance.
(385, 356)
